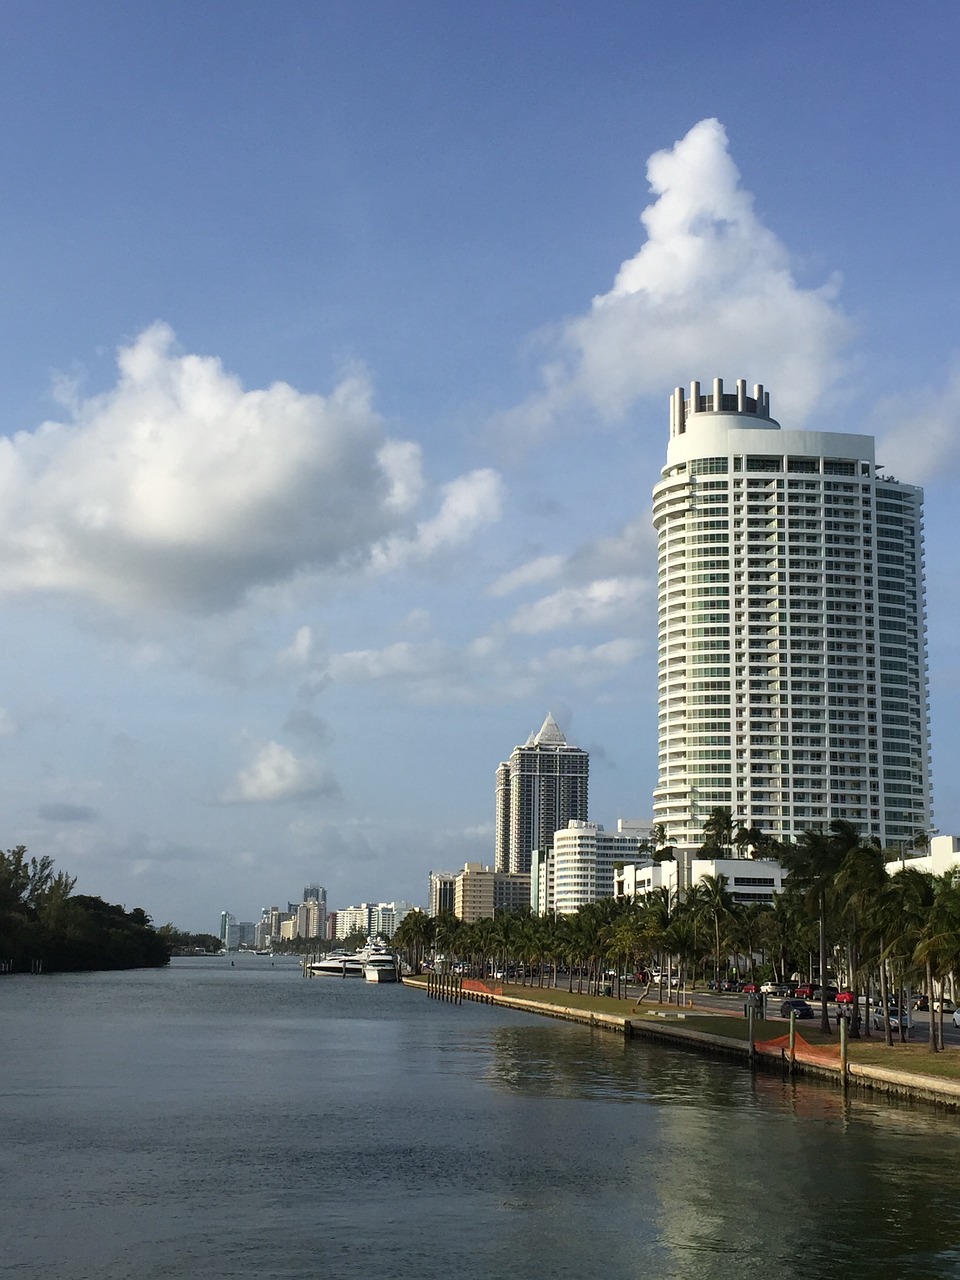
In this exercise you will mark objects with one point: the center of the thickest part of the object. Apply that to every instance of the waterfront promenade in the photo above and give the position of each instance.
(907, 1070)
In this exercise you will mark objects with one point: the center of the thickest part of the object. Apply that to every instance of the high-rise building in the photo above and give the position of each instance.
(315, 893)
(792, 641)
(441, 892)
(539, 790)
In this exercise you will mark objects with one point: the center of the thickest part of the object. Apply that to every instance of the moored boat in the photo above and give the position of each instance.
(381, 966)
(339, 964)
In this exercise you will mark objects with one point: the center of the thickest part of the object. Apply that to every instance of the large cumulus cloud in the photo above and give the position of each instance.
(179, 489)
(711, 292)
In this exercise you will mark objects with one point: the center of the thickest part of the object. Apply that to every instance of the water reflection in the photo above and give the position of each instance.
(233, 1123)
(745, 1174)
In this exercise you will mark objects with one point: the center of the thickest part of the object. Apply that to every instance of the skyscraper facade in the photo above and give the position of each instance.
(792, 635)
(542, 786)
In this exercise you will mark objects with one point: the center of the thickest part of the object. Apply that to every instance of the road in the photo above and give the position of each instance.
(730, 1002)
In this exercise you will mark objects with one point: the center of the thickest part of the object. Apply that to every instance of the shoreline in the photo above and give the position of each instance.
(662, 1025)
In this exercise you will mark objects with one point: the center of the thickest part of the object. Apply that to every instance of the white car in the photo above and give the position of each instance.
(878, 1024)
(956, 1017)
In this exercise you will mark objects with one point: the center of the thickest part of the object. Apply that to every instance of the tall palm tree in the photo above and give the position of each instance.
(813, 862)
(860, 884)
(718, 905)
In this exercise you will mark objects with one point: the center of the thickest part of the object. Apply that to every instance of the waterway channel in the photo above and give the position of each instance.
(220, 1121)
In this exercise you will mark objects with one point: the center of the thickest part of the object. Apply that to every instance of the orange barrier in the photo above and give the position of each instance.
(823, 1054)
(477, 984)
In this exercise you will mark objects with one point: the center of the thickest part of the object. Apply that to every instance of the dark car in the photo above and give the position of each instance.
(799, 1007)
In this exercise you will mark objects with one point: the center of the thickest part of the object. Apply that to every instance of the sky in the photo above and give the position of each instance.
(335, 354)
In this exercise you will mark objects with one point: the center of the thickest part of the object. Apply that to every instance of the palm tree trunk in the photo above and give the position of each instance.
(932, 1041)
(884, 999)
(824, 1016)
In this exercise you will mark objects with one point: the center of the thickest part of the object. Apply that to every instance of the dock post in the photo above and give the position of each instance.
(793, 1040)
(843, 1052)
(753, 1049)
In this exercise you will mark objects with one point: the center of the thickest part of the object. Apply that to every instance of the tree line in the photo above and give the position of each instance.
(45, 926)
(842, 917)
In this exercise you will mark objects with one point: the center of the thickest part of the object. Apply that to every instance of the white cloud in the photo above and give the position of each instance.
(711, 292)
(301, 649)
(179, 490)
(469, 503)
(542, 569)
(598, 603)
(276, 773)
(920, 434)
(402, 659)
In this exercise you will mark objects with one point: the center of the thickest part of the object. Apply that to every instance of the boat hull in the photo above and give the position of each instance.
(381, 972)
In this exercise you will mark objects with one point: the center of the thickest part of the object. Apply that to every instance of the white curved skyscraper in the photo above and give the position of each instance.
(792, 637)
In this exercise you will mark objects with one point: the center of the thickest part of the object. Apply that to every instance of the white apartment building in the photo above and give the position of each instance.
(792, 636)
(375, 919)
(580, 866)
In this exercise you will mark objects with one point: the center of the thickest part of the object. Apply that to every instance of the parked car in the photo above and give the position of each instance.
(804, 991)
(948, 1006)
(832, 994)
(799, 1007)
(956, 1017)
(895, 1017)
(775, 989)
(922, 1003)
(750, 988)
(844, 997)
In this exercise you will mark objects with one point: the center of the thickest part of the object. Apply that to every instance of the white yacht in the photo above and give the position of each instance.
(381, 966)
(339, 964)
(375, 962)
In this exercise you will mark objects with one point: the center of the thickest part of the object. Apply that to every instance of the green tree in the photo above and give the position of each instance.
(813, 863)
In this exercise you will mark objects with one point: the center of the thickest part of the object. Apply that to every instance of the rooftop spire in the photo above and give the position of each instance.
(549, 735)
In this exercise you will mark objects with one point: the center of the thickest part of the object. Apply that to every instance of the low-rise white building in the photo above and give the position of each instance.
(748, 879)
(942, 856)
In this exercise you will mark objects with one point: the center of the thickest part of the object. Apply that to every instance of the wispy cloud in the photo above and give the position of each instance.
(919, 434)
(599, 603)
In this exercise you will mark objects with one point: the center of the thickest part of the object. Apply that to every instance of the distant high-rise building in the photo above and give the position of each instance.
(542, 786)
(441, 893)
(792, 639)
(315, 893)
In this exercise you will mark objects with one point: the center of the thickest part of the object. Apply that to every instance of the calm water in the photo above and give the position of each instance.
(216, 1122)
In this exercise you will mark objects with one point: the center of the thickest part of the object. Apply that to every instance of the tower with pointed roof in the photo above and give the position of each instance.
(539, 790)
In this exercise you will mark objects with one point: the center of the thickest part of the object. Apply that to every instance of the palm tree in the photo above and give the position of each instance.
(414, 937)
(860, 885)
(813, 863)
(718, 905)
(718, 832)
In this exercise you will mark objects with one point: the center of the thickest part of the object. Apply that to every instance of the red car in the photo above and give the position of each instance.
(844, 997)
(750, 988)
(804, 991)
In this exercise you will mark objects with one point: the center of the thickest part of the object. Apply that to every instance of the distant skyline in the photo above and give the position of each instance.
(337, 344)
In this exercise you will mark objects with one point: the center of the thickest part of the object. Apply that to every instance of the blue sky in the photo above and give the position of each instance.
(334, 362)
